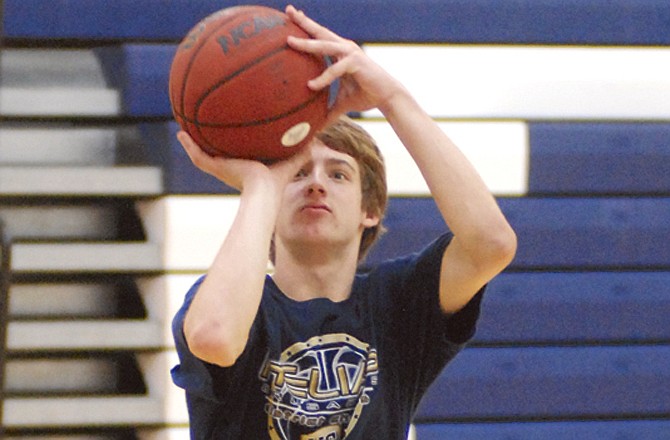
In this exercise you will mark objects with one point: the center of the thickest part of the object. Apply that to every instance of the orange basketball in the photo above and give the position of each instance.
(240, 91)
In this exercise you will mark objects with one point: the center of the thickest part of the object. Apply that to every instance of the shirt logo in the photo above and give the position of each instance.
(317, 389)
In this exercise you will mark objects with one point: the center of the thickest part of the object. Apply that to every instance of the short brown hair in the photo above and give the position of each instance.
(350, 138)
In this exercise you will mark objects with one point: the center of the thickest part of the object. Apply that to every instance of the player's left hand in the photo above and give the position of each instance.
(363, 83)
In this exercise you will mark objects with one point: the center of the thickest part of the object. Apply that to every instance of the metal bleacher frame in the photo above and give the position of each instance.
(4, 312)
(4, 267)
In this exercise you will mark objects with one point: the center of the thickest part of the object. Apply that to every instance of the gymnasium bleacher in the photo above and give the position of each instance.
(562, 105)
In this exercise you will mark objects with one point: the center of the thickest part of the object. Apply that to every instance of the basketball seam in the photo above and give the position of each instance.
(262, 121)
(191, 61)
(205, 95)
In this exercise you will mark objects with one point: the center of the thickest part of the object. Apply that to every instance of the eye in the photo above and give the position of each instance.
(339, 175)
(301, 173)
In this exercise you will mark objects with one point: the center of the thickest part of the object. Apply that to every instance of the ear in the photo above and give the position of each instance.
(370, 220)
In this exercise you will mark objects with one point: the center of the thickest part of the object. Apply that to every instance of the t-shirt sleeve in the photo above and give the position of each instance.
(414, 286)
(426, 338)
(198, 378)
(191, 374)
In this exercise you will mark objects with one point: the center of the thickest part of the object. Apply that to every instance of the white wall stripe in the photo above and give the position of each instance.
(499, 151)
(190, 228)
(529, 82)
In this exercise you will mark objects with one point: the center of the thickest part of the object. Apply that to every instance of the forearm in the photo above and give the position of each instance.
(219, 319)
(484, 243)
(460, 193)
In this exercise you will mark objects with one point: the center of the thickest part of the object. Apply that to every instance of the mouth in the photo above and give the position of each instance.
(316, 208)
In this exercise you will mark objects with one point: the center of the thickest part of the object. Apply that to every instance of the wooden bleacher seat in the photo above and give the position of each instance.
(86, 257)
(67, 192)
(81, 181)
(55, 82)
(84, 376)
(61, 160)
(116, 334)
(59, 221)
(92, 299)
(57, 144)
(74, 412)
(79, 406)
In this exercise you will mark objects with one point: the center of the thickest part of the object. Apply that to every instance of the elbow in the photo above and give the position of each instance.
(493, 248)
(501, 245)
(214, 344)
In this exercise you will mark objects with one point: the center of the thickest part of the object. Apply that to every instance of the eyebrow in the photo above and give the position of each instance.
(336, 161)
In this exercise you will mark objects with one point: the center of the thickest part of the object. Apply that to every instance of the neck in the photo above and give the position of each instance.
(313, 274)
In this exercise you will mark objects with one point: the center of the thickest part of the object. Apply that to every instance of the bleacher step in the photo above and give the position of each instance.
(86, 257)
(59, 102)
(71, 300)
(62, 221)
(49, 376)
(160, 405)
(120, 334)
(50, 82)
(50, 434)
(74, 68)
(41, 412)
(80, 181)
(171, 433)
(57, 145)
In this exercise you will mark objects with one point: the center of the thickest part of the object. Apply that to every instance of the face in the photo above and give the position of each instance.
(322, 204)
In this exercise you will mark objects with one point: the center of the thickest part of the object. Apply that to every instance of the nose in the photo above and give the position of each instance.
(316, 189)
(316, 183)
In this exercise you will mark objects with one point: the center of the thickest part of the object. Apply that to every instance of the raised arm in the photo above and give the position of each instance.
(484, 243)
(218, 321)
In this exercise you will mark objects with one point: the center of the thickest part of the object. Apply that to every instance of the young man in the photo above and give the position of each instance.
(317, 350)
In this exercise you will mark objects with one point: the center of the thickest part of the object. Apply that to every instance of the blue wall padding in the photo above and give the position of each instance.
(148, 73)
(591, 232)
(141, 73)
(104, 19)
(412, 223)
(569, 233)
(576, 307)
(599, 158)
(619, 430)
(551, 383)
(179, 174)
(629, 22)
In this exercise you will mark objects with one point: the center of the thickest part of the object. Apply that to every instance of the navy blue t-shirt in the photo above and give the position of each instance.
(318, 369)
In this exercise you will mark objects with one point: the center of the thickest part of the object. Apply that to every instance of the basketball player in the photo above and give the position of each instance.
(317, 350)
